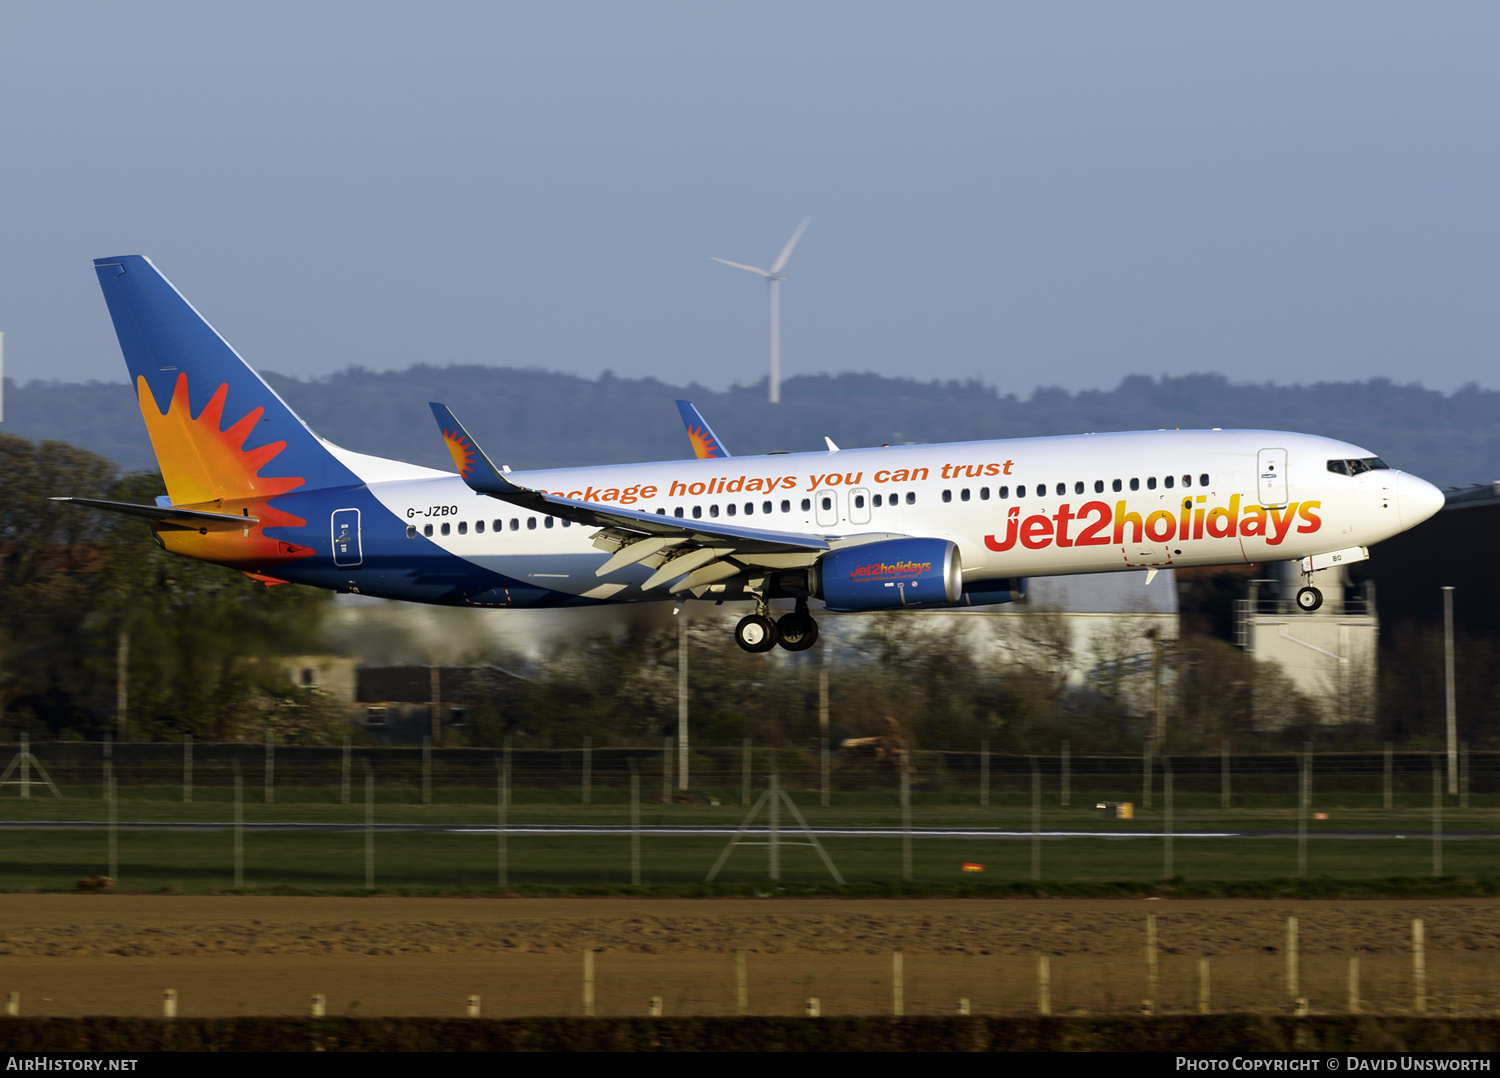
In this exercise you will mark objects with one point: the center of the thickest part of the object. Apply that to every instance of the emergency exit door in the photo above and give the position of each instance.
(346, 544)
(1271, 484)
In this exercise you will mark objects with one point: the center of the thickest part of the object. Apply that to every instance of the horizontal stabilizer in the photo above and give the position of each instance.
(169, 514)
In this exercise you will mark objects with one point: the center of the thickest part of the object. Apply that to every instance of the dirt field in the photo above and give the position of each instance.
(114, 954)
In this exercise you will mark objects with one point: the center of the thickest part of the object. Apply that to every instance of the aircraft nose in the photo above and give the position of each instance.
(1416, 499)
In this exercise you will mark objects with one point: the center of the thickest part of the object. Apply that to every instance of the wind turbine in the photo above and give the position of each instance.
(774, 277)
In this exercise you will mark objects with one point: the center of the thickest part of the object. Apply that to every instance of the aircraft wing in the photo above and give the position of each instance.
(706, 443)
(174, 516)
(700, 552)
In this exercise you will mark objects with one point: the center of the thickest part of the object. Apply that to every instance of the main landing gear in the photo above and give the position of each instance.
(796, 631)
(1309, 599)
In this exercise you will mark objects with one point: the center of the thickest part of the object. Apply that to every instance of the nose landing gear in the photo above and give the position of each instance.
(1309, 599)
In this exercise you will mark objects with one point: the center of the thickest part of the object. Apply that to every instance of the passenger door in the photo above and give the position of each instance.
(859, 506)
(826, 508)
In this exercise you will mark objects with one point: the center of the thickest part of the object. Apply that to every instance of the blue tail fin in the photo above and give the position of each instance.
(214, 424)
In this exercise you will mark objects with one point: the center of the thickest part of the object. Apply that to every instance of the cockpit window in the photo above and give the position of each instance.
(1355, 467)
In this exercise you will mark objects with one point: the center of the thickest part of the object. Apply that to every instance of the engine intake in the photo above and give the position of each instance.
(890, 575)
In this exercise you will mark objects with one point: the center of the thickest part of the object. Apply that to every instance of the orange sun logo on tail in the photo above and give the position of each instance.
(460, 449)
(206, 466)
(703, 442)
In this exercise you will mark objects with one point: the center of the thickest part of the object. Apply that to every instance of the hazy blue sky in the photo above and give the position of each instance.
(1044, 193)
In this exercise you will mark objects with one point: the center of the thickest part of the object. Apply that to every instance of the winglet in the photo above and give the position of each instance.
(706, 443)
(473, 466)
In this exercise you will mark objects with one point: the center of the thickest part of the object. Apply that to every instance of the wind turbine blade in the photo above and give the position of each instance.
(738, 265)
(786, 252)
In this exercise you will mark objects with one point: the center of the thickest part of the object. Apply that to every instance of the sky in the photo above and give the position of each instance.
(1032, 194)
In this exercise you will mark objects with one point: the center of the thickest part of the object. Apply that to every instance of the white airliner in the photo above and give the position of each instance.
(889, 528)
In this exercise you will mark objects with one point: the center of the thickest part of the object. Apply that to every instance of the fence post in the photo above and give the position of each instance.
(502, 803)
(984, 774)
(426, 769)
(239, 827)
(1203, 1007)
(1389, 799)
(344, 774)
(823, 733)
(1419, 965)
(588, 770)
(1224, 771)
(1153, 979)
(1463, 775)
(1067, 773)
(187, 768)
(1304, 783)
(111, 804)
(25, 757)
(588, 982)
(773, 845)
(1437, 819)
(745, 772)
(270, 767)
(1293, 980)
(1146, 773)
(1166, 793)
(635, 824)
(1044, 984)
(741, 985)
(898, 986)
(905, 813)
(369, 828)
(666, 771)
(1036, 819)
(1354, 985)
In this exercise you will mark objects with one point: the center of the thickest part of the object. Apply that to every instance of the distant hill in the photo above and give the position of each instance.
(532, 418)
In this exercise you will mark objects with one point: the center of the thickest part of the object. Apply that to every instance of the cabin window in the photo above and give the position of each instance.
(1098, 486)
(479, 527)
(876, 501)
(498, 525)
(531, 523)
(1021, 490)
(447, 528)
(713, 510)
(659, 512)
(859, 501)
(1116, 486)
(749, 509)
(1187, 481)
(427, 529)
(677, 512)
(786, 505)
(1151, 482)
(411, 531)
(515, 524)
(963, 495)
(1168, 482)
(1062, 488)
(984, 494)
(1135, 484)
(463, 527)
(1004, 493)
(911, 497)
(765, 507)
(697, 512)
(1203, 480)
(549, 521)
(1078, 487)
(569, 523)
(731, 509)
(806, 504)
(827, 504)
(947, 495)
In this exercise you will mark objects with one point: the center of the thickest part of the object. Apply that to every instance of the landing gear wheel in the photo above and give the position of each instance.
(797, 631)
(755, 632)
(1309, 599)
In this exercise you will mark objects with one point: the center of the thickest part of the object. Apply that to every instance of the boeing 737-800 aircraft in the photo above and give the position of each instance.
(251, 487)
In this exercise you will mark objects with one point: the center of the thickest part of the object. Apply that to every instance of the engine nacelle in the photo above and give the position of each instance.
(890, 575)
(989, 592)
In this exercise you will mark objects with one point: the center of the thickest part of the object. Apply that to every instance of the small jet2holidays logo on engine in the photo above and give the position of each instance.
(880, 569)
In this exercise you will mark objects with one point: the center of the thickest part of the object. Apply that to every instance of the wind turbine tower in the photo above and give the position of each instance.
(774, 276)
